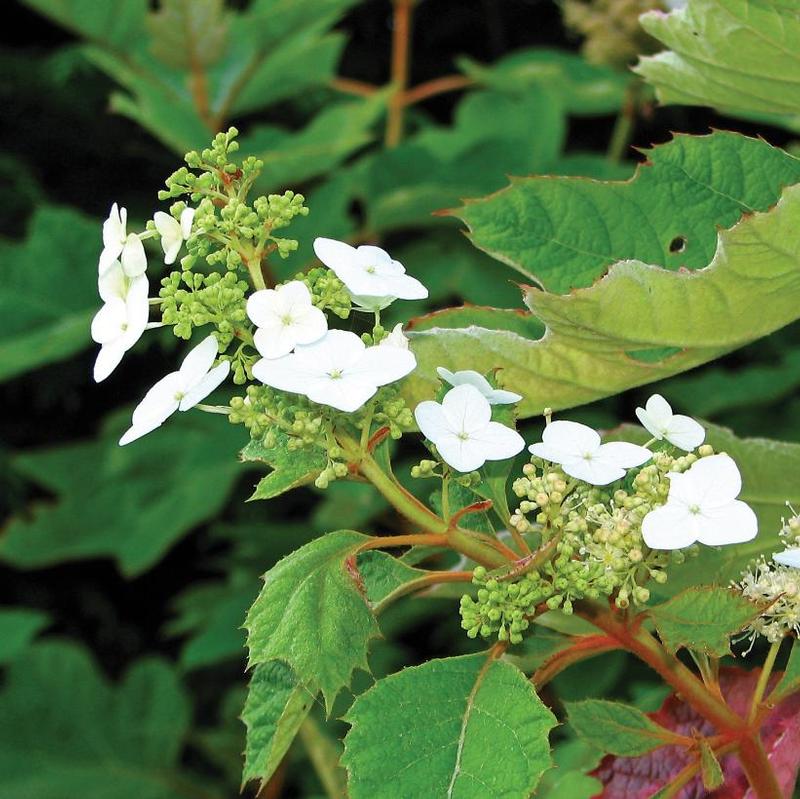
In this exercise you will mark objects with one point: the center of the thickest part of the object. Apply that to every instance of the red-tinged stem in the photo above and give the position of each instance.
(356, 87)
(758, 769)
(421, 583)
(431, 88)
(390, 541)
(401, 45)
(582, 648)
(642, 644)
(688, 773)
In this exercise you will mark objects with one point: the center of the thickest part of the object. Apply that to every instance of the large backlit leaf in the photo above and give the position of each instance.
(65, 732)
(464, 726)
(130, 503)
(742, 55)
(638, 324)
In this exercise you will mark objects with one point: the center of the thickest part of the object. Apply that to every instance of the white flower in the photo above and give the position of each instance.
(173, 232)
(285, 317)
(119, 324)
(463, 432)
(119, 244)
(180, 390)
(789, 557)
(373, 278)
(396, 338)
(338, 370)
(659, 420)
(579, 451)
(702, 506)
(496, 396)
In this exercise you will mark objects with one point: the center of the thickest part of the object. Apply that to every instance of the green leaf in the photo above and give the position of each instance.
(616, 728)
(277, 704)
(463, 726)
(295, 156)
(384, 574)
(349, 504)
(740, 55)
(789, 682)
(581, 87)
(564, 233)
(703, 619)
(42, 326)
(592, 332)
(188, 34)
(769, 470)
(312, 614)
(18, 627)
(290, 468)
(64, 731)
(710, 769)
(324, 753)
(142, 498)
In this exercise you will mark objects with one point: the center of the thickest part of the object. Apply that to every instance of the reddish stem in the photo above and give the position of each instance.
(583, 647)
(401, 45)
(424, 91)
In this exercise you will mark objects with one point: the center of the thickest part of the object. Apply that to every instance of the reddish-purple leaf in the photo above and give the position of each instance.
(641, 777)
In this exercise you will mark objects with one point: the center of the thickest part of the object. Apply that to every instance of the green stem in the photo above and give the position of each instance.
(763, 680)
(623, 128)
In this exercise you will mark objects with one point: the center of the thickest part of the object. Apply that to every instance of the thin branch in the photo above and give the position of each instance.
(401, 46)
(432, 88)
(350, 86)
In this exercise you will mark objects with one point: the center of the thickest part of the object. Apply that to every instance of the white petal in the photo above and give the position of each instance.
(564, 439)
(623, 454)
(369, 255)
(160, 402)
(295, 294)
(286, 374)
(134, 432)
(108, 359)
(685, 433)
(594, 470)
(345, 394)
(498, 442)
(112, 282)
(134, 260)
(335, 254)
(310, 326)
(107, 258)
(649, 424)
(187, 218)
(196, 364)
(669, 527)
(463, 455)
(404, 287)
(108, 322)
(337, 350)
(169, 229)
(432, 422)
(274, 340)
(716, 480)
(495, 396)
(789, 557)
(499, 396)
(380, 366)
(659, 410)
(264, 307)
(466, 409)
(396, 338)
(730, 524)
(202, 389)
(114, 230)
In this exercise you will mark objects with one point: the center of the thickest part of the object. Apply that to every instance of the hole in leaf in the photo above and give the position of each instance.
(678, 244)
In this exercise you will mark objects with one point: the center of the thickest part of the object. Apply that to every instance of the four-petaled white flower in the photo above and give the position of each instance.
(180, 390)
(659, 420)
(285, 317)
(577, 448)
(338, 370)
(495, 396)
(462, 429)
(173, 232)
(702, 507)
(119, 324)
(396, 338)
(373, 278)
(789, 557)
(119, 244)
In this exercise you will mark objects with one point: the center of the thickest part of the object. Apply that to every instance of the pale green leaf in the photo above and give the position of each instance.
(616, 728)
(188, 34)
(290, 468)
(277, 704)
(710, 769)
(564, 233)
(65, 732)
(593, 332)
(42, 326)
(312, 613)
(384, 574)
(18, 627)
(741, 55)
(140, 498)
(428, 731)
(703, 619)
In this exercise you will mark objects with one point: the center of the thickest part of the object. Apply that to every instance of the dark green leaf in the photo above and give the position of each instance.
(189, 34)
(18, 627)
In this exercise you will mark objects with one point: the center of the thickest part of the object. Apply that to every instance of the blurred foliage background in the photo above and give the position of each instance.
(125, 574)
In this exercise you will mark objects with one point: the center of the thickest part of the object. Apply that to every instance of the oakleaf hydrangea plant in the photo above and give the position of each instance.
(598, 527)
